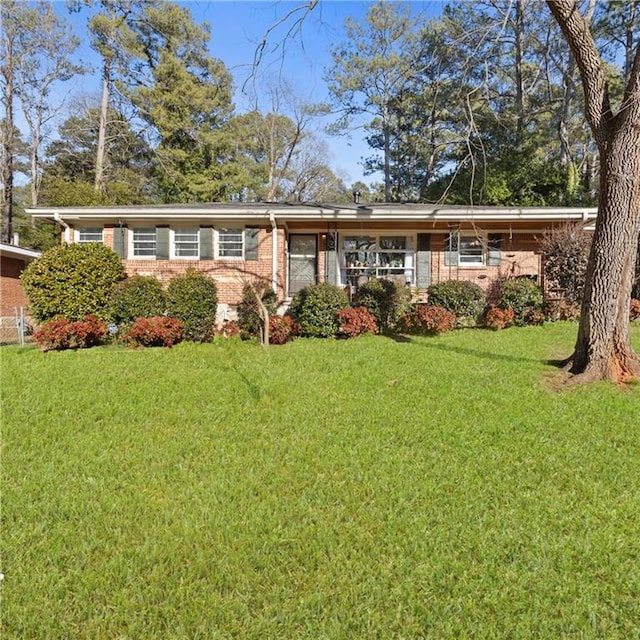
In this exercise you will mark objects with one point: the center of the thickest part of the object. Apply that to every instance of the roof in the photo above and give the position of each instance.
(14, 251)
(266, 211)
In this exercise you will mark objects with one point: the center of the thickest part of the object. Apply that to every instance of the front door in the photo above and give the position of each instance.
(303, 261)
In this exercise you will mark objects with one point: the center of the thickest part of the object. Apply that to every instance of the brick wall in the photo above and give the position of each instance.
(13, 294)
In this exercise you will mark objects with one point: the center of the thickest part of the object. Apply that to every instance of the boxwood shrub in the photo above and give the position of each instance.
(466, 300)
(73, 281)
(137, 297)
(524, 297)
(388, 301)
(193, 299)
(316, 307)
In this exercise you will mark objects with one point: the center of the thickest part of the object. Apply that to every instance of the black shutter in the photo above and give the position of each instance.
(162, 243)
(206, 243)
(120, 242)
(251, 243)
(424, 260)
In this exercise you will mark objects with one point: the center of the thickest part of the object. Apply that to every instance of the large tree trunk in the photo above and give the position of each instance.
(602, 349)
(102, 131)
(8, 137)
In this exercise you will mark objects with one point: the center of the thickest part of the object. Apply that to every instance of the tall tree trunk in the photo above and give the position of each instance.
(102, 130)
(603, 350)
(8, 138)
(519, 31)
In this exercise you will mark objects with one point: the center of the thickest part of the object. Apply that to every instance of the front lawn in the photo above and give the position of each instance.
(370, 488)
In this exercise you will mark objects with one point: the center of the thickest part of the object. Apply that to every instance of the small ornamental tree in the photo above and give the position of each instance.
(565, 253)
(137, 297)
(193, 299)
(72, 281)
(250, 312)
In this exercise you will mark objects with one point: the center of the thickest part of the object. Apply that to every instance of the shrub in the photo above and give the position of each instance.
(249, 319)
(429, 319)
(522, 295)
(62, 333)
(565, 252)
(72, 281)
(496, 318)
(315, 308)
(193, 299)
(229, 329)
(137, 297)
(462, 298)
(387, 300)
(158, 331)
(354, 321)
(634, 310)
(562, 310)
(282, 329)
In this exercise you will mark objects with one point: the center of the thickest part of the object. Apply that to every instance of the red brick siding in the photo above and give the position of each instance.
(12, 293)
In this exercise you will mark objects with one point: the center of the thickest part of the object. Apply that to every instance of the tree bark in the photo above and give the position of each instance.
(602, 349)
(102, 131)
(8, 138)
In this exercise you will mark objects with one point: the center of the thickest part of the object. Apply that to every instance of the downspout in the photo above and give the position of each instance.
(58, 218)
(274, 251)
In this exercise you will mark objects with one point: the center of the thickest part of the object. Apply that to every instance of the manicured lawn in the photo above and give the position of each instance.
(435, 488)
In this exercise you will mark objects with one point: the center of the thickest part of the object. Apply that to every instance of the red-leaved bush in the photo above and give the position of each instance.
(229, 329)
(634, 310)
(354, 321)
(61, 333)
(428, 319)
(158, 331)
(282, 329)
(496, 318)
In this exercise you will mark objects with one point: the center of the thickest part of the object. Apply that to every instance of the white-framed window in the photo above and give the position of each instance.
(467, 249)
(186, 242)
(143, 242)
(89, 234)
(378, 256)
(230, 243)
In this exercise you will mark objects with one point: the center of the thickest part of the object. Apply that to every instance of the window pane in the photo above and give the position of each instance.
(230, 243)
(471, 250)
(186, 243)
(90, 234)
(144, 242)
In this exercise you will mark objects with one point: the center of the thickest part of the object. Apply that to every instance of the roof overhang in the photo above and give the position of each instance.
(22, 253)
(266, 212)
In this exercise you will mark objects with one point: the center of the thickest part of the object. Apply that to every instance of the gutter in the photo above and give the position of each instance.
(67, 233)
(274, 251)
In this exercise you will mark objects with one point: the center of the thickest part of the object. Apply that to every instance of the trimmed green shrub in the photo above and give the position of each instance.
(496, 318)
(462, 298)
(428, 320)
(137, 297)
(315, 308)
(72, 281)
(193, 299)
(282, 329)
(159, 331)
(387, 300)
(354, 321)
(249, 319)
(62, 333)
(523, 296)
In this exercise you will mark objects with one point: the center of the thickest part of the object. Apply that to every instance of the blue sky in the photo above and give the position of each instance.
(237, 27)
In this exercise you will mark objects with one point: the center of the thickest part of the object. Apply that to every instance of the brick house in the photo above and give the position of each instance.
(293, 245)
(13, 260)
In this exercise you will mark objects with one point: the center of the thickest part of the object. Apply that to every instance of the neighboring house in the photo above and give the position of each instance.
(293, 245)
(13, 260)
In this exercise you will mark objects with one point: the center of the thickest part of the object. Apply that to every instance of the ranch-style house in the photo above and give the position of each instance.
(294, 245)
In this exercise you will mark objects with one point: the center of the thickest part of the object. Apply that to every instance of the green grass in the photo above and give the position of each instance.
(436, 488)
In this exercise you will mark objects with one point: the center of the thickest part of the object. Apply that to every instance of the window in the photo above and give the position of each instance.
(230, 243)
(470, 251)
(186, 243)
(378, 257)
(90, 234)
(144, 243)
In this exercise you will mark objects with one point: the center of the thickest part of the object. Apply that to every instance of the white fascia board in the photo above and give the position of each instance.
(13, 251)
